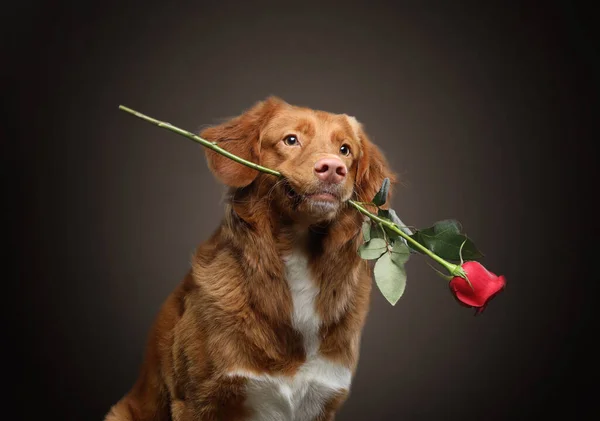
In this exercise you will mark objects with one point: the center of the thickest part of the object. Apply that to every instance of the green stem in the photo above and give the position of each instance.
(203, 142)
(455, 270)
(452, 268)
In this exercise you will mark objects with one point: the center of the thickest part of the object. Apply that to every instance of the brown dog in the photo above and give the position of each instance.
(267, 324)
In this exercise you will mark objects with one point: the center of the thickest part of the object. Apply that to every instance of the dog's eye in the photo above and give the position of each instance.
(290, 140)
(345, 150)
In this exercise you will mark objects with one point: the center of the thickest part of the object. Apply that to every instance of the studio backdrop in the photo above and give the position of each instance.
(482, 109)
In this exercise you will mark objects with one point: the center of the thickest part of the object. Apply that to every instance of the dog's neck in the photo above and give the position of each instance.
(258, 216)
(261, 238)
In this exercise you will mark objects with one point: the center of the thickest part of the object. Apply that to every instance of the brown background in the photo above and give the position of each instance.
(484, 110)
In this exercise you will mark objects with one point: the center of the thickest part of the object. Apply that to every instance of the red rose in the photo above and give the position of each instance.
(484, 286)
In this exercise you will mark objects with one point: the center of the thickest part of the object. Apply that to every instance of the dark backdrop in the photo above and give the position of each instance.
(484, 109)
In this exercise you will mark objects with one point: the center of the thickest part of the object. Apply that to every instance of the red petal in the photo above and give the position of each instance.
(485, 285)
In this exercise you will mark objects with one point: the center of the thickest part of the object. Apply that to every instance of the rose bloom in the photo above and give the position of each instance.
(484, 286)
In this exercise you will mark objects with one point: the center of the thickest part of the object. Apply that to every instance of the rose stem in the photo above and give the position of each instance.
(455, 270)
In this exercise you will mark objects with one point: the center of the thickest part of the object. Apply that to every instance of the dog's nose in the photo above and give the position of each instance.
(331, 170)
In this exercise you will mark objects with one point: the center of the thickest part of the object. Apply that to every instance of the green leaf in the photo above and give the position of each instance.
(447, 226)
(400, 253)
(390, 278)
(382, 194)
(366, 230)
(377, 231)
(390, 215)
(394, 217)
(445, 239)
(385, 214)
(372, 249)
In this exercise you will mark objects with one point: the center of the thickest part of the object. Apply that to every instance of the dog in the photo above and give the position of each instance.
(267, 323)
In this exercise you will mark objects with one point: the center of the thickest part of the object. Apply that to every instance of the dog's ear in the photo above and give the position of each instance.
(241, 137)
(372, 168)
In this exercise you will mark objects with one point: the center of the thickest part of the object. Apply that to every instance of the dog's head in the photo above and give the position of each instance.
(325, 158)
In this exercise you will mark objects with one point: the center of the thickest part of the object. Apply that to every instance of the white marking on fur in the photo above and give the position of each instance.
(294, 398)
(300, 397)
(304, 291)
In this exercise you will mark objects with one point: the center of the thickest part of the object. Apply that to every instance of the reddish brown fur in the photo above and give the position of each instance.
(233, 309)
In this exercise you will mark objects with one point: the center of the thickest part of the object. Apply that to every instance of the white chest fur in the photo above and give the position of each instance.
(300, 397)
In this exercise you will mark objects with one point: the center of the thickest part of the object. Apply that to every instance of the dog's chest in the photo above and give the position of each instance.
(301, 397)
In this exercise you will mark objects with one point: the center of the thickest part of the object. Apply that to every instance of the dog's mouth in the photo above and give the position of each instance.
(328, 194)
(322, 197)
